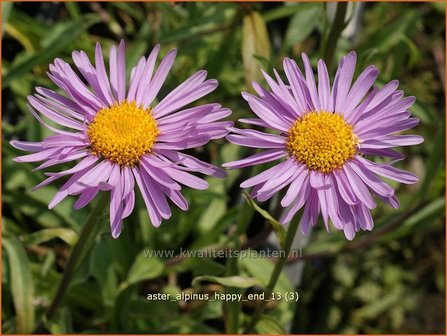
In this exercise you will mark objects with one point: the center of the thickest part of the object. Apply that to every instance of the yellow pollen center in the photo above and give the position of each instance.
(322, 140)
(123, 133)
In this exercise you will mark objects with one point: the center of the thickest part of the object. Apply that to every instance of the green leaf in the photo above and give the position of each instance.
(435, 160)
(261, 269)
(287, 10)
(231, 281)
(73, 9)
(101, 267)
(61, 323)
(54, 43)
(215, 210)
(418, 221)
(144, 269)
(277, 227)
(255, 42)
(390, 35)
(6, 10)
(302, 24)
(268, 325)
(22, 286)
(67, 235)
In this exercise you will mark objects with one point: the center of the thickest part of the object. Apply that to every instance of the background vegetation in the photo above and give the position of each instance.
(387, 281)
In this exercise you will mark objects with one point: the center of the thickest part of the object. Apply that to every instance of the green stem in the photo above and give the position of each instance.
(86, 237)
(232, 308)
(336, 29)
(290, 235)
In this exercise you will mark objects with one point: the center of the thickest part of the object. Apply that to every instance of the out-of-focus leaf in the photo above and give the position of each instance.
(215, 210)
(21, 37)
(22, 285)
(73, 10)
(439, 6)
(376, 307)
(255, 42)
(205, 266)
(61, 323)
(302, 24)
(6, 10)
(31, 205)
(186, 325)
(287, 10)
(101, 267)
(277, 227)
(154, 312)
(327, 244)
(261, 269)
(50, 261)
(230, 152)
(144, 268)
(268, 325)
(231, 281)
(214, 64)
(67, 235)
(435, 160)
(209, 24)
(418, 220)
(129, 8)
(414, 51)
(388, 36)
(28, 24)
(86, 295)
(52, 45)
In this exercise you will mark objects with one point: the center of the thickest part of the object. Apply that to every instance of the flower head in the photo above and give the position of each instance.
(122, 137)
(323, 137)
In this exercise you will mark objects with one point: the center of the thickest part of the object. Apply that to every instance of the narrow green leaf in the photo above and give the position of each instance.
(302, 24)
(216, 208)
(277, 227)
(418, 221)
(261, 269)
(73, 10)
(61, 324)
(287, 10)
(67, 235)
(6, 10)
(57, 41)
(255, 42)
(144, 269)
(388, 36)
(102, 269)
(268, 325)
(231, 281)
(22, 286)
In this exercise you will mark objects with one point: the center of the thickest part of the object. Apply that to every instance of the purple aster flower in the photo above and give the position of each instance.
(323, 136)
(120, 137)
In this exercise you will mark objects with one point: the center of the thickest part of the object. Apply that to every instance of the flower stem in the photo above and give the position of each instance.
(336, 29)
(232, 308)
(85, 240)
(290, 235)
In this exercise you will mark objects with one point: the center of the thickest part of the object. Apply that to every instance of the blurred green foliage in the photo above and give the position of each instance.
(387, 281)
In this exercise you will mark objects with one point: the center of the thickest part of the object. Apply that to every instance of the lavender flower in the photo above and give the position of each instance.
(324, 135)
(120, 137)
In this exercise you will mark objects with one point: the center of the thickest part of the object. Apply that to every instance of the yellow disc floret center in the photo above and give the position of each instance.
(123, 133)
(322, 140)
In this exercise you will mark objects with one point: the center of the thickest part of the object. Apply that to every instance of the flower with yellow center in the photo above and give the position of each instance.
(121, 136)
(322, 136)
(322, 140)
(123, 133)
